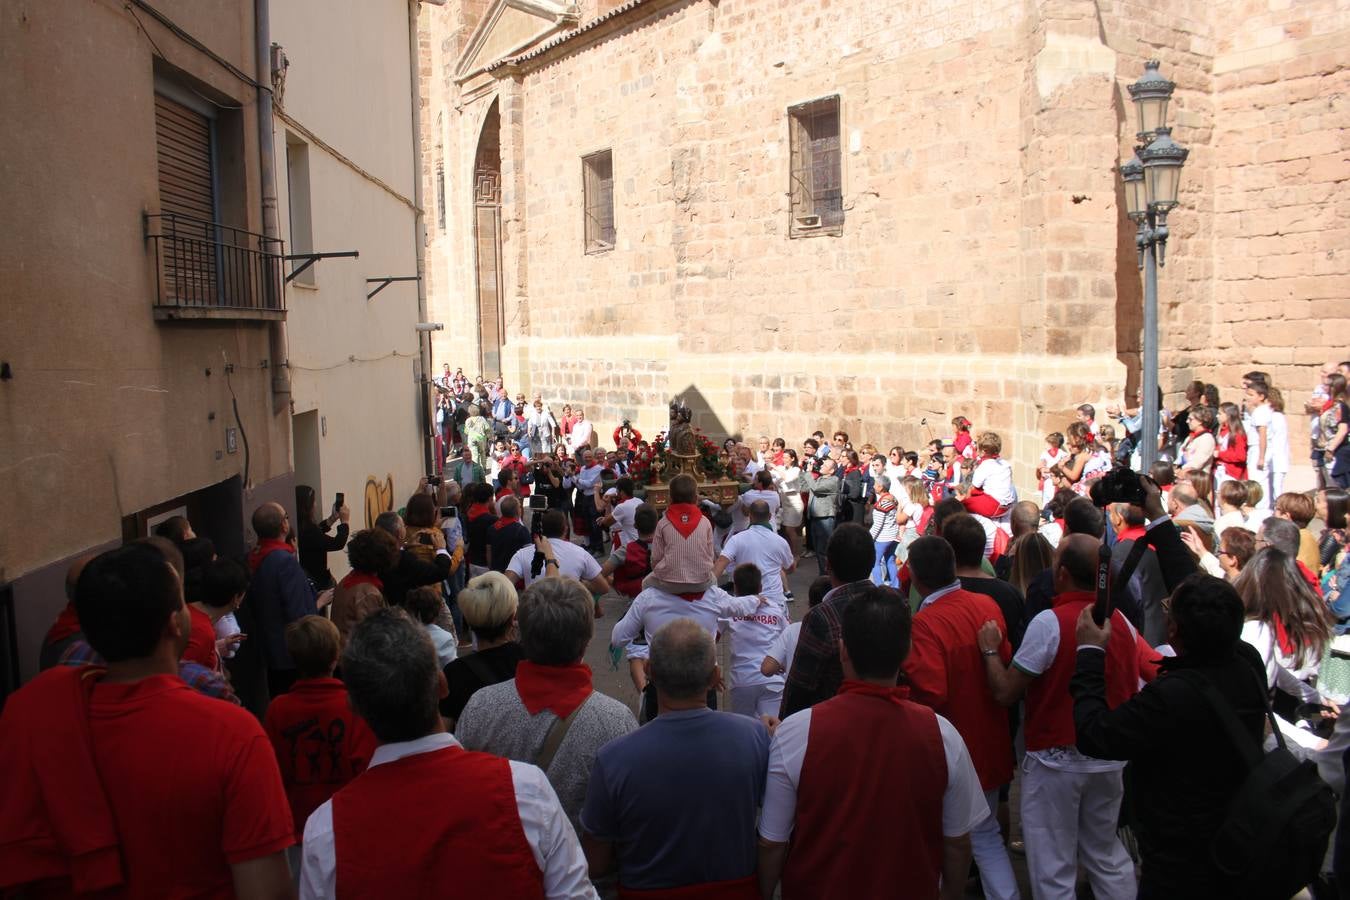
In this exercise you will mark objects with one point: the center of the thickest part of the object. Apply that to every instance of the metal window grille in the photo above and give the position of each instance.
(440, 195)
(817, 177)
(598, 183)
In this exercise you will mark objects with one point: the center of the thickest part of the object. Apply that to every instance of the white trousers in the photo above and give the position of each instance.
(757, 699)
(986, 843)
(1070, 818)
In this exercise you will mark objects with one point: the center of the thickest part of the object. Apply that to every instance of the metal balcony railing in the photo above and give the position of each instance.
(209, 270)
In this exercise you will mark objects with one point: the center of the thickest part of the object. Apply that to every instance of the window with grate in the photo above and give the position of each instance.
(817, 183)
(440, 195)
(598, 182)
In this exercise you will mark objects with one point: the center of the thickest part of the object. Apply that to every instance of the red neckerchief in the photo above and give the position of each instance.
(479, 509)
(691, 596)
(1133, 533)
(1089, 438)
(1282, 636)
(559, 689)
(1195, 434)
(685, 517)
(67, 623)
(889, 694)
(988, 456)
(851, 469)
(354, 578)
(503, 523)
(266, 547)
(1328, 405)
(1062, 527)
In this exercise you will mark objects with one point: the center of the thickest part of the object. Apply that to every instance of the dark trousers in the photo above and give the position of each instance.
(821, 529)
(586, 509)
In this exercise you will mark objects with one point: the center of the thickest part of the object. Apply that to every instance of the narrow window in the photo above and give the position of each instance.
(440, 196)
(817, 179)
(598, 179)
(300, 205)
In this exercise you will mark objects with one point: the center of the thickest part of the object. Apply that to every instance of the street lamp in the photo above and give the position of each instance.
(1152, 178)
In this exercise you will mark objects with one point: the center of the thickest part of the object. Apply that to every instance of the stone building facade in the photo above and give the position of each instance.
(973, 258)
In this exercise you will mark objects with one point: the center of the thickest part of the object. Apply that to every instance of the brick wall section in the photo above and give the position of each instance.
(985, 267)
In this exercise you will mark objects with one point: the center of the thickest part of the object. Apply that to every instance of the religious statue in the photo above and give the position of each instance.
(681, 435)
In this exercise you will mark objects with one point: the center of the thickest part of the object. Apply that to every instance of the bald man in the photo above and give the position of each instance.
(279, 593)
(1070, 802)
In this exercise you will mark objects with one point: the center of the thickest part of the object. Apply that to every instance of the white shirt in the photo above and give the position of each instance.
(580, 436)
(770, 497)
(752, 638)
(785, 646)
(447, 647)
(1260, 418)
(1277, 444)
(547, 831)
(1262, 637)
(653, 608)
(588, 476)
(1039, 647)
(624, 523)
(994, 477)
(573, 561)
(963, 802)
(769, 551)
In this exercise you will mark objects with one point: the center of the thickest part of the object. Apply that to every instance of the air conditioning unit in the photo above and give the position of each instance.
(808, 221)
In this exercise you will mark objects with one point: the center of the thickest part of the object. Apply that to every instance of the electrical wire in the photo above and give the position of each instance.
(353, 360)
(234, 402)
(191, 41)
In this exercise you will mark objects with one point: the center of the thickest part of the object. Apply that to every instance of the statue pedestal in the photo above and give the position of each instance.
(721, 492)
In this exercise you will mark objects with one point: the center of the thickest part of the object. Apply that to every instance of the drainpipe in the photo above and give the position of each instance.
(267, 177)
(420, 240)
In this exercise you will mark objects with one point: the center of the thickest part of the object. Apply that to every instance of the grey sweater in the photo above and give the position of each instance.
(496, 721)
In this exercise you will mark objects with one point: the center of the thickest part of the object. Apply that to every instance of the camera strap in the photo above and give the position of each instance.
(1108, 586)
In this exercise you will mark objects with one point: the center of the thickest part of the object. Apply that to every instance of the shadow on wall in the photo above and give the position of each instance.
(704, 419)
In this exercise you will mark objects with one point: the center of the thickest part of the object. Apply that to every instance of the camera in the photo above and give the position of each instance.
(1120, 485)
(537, 504)
(449, 512)
(341, 500)
(433, 481)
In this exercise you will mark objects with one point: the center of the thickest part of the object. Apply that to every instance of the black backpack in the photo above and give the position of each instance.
(1274, 839)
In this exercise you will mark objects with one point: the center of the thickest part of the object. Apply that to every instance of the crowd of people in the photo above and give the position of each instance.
(429, 721)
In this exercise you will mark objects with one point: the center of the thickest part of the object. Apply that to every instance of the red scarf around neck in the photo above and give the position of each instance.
(354, 578)
(685, 517)
(890, 694)
(479, 509)
(266, 547)
(503, 523)
(559, 689)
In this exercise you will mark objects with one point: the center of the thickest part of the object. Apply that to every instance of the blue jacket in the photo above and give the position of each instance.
(279, 594)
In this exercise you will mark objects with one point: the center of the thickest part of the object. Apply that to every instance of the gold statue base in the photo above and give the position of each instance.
(722, 491)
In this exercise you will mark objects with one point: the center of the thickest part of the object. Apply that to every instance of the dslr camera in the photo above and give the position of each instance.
(1120, 485)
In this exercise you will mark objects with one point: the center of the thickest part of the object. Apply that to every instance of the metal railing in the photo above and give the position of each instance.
(207, 265)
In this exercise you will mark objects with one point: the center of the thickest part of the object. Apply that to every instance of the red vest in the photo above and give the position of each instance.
(1049, 721)
(458, 830)
(637, 565)
(946, 671)
(852, 793)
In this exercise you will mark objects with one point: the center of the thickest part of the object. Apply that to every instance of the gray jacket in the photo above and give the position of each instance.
(824, 497)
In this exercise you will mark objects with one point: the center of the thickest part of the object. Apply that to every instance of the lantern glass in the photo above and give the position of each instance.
(1152, 113)
(1163, 182)
(1136, 195)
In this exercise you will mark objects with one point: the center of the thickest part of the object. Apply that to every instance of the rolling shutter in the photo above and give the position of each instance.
(186, 192)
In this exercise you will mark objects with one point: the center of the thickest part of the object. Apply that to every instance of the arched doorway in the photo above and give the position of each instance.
(487, 242)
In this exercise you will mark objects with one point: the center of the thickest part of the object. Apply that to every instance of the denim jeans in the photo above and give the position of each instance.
(885, 564)
(821, 529)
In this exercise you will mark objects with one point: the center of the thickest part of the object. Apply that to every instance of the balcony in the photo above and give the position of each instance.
(206, 270)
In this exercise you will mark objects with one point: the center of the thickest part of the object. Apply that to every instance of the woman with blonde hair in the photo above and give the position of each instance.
(488, 603)
(1031, 555)
(910, 518)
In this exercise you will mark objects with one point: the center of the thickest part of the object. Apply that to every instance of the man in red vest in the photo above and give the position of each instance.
(835, 796)
(426, 809)
(1070, 802)
(945, 671)
(119, 779)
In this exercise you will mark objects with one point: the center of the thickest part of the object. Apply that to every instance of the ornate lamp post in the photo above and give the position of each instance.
(1152, 178)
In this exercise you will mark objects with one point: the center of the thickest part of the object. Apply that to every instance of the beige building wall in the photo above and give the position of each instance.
(107, 412)
(347, 102)
(985, 266)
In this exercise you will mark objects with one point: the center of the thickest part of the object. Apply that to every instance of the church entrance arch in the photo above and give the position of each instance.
(487, 241)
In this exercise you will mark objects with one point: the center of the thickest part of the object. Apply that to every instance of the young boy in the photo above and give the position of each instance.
(779, 658)
(991, 491)
(682, 545)
(1232, 497)
(1052, 455)
(625, 569)
(752, 692)
(319, 742)
(424, 604)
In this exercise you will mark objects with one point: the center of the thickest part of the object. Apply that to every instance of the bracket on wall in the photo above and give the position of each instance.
(385, 280)
(311, 258)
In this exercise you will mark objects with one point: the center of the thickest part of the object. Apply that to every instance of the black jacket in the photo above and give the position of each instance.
(315, 545)
(1183, 769)
(412, 572)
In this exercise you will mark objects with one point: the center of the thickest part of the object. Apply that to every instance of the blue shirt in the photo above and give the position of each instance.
(679, 798)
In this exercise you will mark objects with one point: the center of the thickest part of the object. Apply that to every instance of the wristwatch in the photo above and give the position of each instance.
(988, 652)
